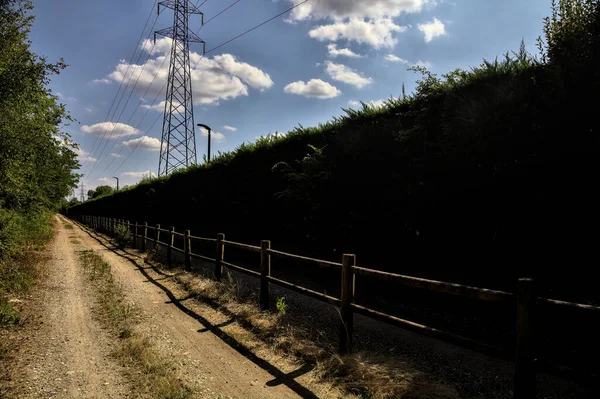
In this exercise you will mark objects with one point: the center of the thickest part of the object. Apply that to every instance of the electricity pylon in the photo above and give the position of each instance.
(178, 144)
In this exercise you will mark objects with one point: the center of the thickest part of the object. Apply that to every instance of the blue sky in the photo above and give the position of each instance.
(302, 68)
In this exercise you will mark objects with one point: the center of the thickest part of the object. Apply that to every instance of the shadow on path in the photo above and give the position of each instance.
(280, 377)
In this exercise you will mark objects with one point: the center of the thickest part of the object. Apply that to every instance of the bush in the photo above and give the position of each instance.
(122, 235)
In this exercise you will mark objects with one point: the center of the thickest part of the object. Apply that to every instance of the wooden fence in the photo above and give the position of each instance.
(525, 299)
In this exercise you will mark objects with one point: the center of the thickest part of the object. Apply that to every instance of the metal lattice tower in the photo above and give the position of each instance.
(178, 145)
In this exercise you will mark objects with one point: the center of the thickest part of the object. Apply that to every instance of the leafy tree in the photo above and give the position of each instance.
(36, 157)
(100, 191)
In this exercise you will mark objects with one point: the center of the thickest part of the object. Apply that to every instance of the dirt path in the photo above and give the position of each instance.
(65, 354)
(212, 367)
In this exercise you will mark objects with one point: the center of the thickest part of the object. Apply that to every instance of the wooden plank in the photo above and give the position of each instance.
(433, 332)
(187, 250)
(170, 247)
(239, 245)
(198, 256)
(202, 239)
(569, 305)
(438, 286)
(318, 262)
(347, 298)
(241, 269)
(305, 291)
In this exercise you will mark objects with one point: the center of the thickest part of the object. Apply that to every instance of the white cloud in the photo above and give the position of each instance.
(160, 107)
(114, 154)
(315, 88)
(231, 128)
(144, 143)
(344, 74)
(105, 180)
(346, 52)
(84, 156)
(66, 98)
(432, 29)
(374, 32)
(139, 175)
(393, 58)
(222, 77)
(213, 135)
(373, 104)
(107, 128)
(425, 64)
(104, 81)
(338, 9)
(89, 109)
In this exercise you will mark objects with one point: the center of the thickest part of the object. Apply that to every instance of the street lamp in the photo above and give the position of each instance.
(207, 128)
(117, 182)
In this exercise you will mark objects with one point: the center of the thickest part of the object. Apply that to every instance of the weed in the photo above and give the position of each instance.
(123, 235)
(156, 376)
(68, 226)
(281, 306)
(8, 315)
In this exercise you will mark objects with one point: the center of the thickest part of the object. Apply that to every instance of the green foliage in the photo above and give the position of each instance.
(36, 157)
(122, 235)
(100, 191)
(281, 306)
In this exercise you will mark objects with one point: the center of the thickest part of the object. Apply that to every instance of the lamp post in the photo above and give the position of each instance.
(207, 128)
(117, 182)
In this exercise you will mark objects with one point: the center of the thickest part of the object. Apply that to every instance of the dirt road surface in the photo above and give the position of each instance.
(66, 354)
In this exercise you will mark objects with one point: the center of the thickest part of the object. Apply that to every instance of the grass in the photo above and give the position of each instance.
(366, 375)
(154, 376)
(68, 226)
(17, 276)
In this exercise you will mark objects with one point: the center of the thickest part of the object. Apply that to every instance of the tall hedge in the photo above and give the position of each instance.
(479, 176)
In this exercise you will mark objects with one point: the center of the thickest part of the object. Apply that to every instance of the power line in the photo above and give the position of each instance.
(126, 71)
(221, 12)
(213, 49)
(256, 27)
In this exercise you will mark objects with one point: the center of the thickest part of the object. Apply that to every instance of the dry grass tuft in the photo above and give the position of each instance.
(156, 376)
(365, 375)
(68, 226)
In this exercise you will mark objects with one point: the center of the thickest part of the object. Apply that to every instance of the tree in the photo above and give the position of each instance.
(100, 191)
(37, 158)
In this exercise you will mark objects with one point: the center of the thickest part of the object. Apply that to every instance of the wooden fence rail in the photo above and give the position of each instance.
(525, 300)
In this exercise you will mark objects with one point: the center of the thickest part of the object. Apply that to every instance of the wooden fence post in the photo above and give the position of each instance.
(525, 375)
(265, 271)
(145, 236)
(347, 298)
(156, 242)
(187, 250)
(135, 235)
(219, 255)
(170, 246)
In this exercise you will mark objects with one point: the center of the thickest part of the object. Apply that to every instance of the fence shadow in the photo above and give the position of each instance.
(288, 379)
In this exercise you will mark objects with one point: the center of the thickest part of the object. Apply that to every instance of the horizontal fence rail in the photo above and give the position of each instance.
(524, 300)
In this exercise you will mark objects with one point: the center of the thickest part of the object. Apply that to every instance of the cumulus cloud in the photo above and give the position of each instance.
(138, 175)
(84, 156)
(222, 77)
(375, 32)
(424, 64)
(110, 129)
(144, 143)
(393, 58)
(230, 128)
(344, 74)
(114, 154)
(213, 135)
(339, 9)
(315, 88)
(346, 52)
(432, 29)
(105, 180)
(369, 22)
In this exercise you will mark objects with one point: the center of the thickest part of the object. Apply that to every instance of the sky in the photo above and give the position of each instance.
(300, 69)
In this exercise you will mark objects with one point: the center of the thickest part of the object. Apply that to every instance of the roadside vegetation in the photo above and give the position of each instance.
(152, 374)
